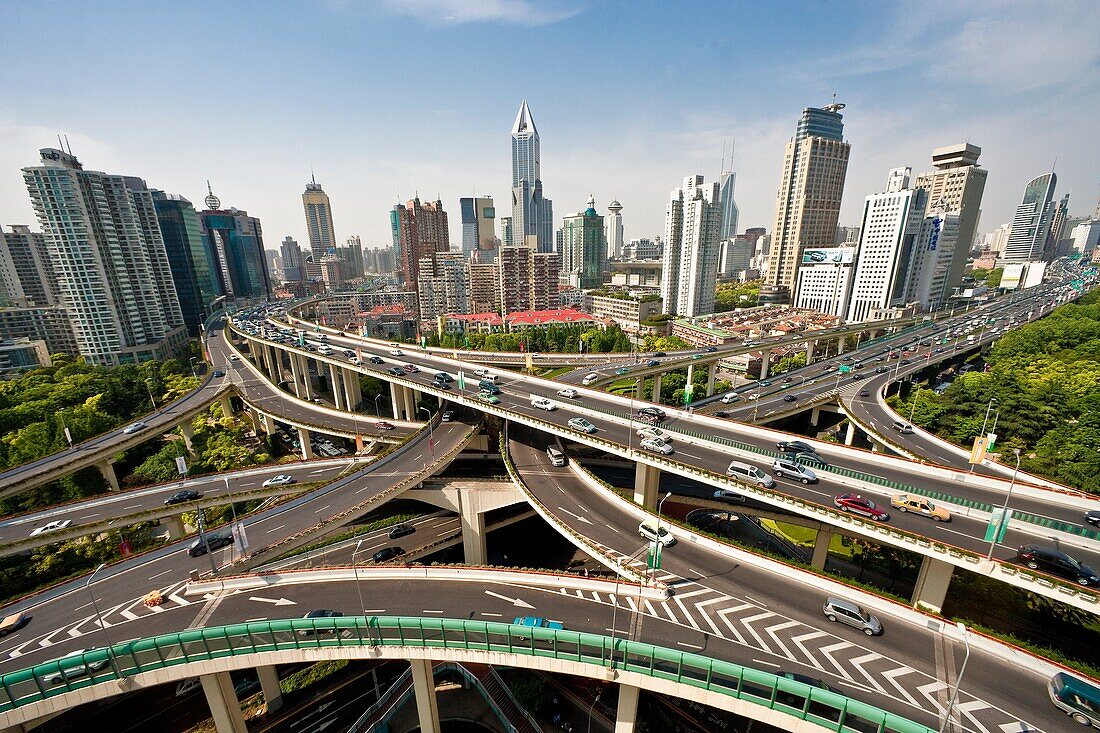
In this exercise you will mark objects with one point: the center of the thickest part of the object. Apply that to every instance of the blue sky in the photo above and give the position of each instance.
(386, 98)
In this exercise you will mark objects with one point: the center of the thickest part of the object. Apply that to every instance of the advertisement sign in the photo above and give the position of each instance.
(934, 236)
(181, 465)
(828, 255)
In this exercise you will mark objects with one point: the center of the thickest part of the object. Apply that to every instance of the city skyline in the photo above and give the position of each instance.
(1047, 102)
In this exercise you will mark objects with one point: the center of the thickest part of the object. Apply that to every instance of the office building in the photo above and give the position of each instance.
(506, 239)
(1085, 237)
(291, 255)
(322, 236)
(1058, 222)
(727, 227)
(11, 290)
(483, 287)
(734, 255)
(532, 214)
(332, 272)
(442, 285)
(627, 311)
(891, 220)
(690, 257)
(825, 280)
(352, 256)
(193, 266)
(1032, 223)
(583, 250)
(236, 239)
(614, 232)
(956, 184)
(847, 236)
(935, 248)
(478, 224)
(111, 269)
(31, 264)
(643, 248)
(418, 230)
(807, 205)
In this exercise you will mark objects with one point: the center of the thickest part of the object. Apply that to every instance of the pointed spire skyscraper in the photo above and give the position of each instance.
(532, 215)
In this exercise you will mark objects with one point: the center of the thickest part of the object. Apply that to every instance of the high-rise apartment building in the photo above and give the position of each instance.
(194, 268)
(31, 263)
(825, 280)
(584, 251)
(643, 248)
(352, 256)
(419, 230)
(891, 221)
(442, 285)
(478, 224)
(483, 287)
(322, 236)
(293, 267)
(111, 269)
(527, 279)
(807, 205)
(236, 239)
(614, 230)
(1031, 226)
(956, 184)
(690, 257)
(532, 214)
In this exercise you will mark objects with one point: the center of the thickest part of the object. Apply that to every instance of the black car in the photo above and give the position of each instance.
(181, 496)
(660, 354)
(320, 613)
(789, 398)
(444, 377)
(794, 446)
(442, 385)
(1093, 517)
(377, 360)
(652, 363)
(219, 373)
(711, 349)
(865, 393)
(387, 553)
(401, 530)
(651, 414)
(215, 540)
(397, 371)
(1057, 563)
(788, 380)
(723, 413)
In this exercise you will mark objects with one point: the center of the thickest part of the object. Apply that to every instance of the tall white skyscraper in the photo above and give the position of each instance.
(891, 220)
(1031, 225)
(727, 229)
(614, 230)
(531, 213)
(956, 184)
(690, 257)
(934, 249)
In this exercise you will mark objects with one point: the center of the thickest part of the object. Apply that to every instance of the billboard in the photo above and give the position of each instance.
(828, 255)
(1011, 275)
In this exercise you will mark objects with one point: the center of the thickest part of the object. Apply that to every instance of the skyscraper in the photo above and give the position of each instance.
(690, 256)
(807, 205)
(584, 251)
(1031, 226)
(441, 287)
(32, 265)
(727, 228)
(352, 255)
(614, 230)
(291, 254)
(419, 230)
(478, 224)
(935, 248)
(108, 256)
(526, 279)
(322, 237)
(236, 239)
(194, 269)
(956, 184)
(531, 213)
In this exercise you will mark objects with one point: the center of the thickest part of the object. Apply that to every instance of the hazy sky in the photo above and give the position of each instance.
(386, 98)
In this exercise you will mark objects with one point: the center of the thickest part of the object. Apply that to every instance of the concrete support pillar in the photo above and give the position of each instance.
(307, 447)
(424, 689)
(254, 418)
(656, 388)
(108, 470)
(227, 405)
(815, 416)
(395, 400)
(268, 423)
(353, 393)
(877, 447)
(188, 434)
(691, 375)
(222, 699)
(646, 480)
(337, 387)
(295, 374)
(174, 525)
(810, 346)
(307, 383)
(712, 372)
(275, 359)
(850, 436)
(626, 714)
(473, 531)
(639, 389)
(840, 345)
(821, 549)
(765, 363)
(410, 403)
(932, 582)
(269, 683)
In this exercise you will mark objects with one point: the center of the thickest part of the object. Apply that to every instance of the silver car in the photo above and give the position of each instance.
(786, 467)
(846, 612)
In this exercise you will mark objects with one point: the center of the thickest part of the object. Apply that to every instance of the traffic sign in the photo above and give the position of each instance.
(844, 368)
(995, 530)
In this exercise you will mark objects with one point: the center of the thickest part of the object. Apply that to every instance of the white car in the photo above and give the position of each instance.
(234, 357)
(543, 404)
(80, 670)
(656, 533)
(51, 527)
(579, 423)
(568, 393)
(131, 429)
(729, 398)
(483, 373)
(656, 433)
(657, 446)
(395, 352)
(279, 480)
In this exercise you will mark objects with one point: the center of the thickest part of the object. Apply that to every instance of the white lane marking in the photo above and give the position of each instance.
(494, 615)
(613, 529)
(154, 577)
(690, 646)
(753, 600)
(275, 529)
(768, 664)
(428, 610)
(578, 517)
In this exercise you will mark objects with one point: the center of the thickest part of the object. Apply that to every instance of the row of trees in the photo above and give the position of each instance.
(551, 338)
(736, 295)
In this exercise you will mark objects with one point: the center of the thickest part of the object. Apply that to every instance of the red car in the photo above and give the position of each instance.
(863, 506)
(383, 425)
(412, 368)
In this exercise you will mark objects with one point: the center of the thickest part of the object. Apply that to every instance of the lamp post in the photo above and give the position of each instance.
(958, 680)
(1004, 508)
(431, 430)
(615, 608)
(591, 708)
(196, 376)
(149, 388)
(913, 409)
(630, 418)
(99, 617)
(377, 409)
(988, 408)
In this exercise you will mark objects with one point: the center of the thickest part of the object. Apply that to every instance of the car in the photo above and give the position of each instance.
(442, 385)
(794, 446)
(401, 530)
(397, 371)
(444, 377)
(657, 446)
(696, 357)
(729, 398)
(396, 352)
(846, 612)
(882, 370)
(791, 698)
(219, 373)
(711, 349)
(377, 360)
(568, 393)
(54, 526)
(659, 354)
(279, 480)
(903, 427)
(579, 423)
(491, 399)
(348, 353)
(590, 378)
(785, 467)
(537, 622)
(387, 553)
(652, 414)
(730, 496)
(411, 368)
(788, 380)
(1093, 517)
(13, 622)
(319, 613)
(543, 404)
(865, 393)
(920, 505)
(447, 416)
(181, 496)
(766, 383)
(1057, 563)
(136, 427)
(789, 398)
(656, 533)
(68, 673)
(234, 357)
(483, 373)
(863, 506)
(655, 433)
(383, 425)
(622, 370)
(723, 413)
(215, 540)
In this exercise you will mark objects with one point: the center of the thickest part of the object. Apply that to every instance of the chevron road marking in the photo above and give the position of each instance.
(858, 663)
(706, 616)
(668, 611)
(129, 615)
(747, 623)
(892, 676)
(1017, 727)
(630, 602)
(931, 691)
(772, 631)
(827, 652)
(798, 642)
(968, 709)
(690, 618)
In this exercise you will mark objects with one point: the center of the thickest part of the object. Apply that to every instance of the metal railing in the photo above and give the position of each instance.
(826, 708)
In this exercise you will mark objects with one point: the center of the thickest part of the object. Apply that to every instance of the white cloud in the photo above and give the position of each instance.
(455, 12)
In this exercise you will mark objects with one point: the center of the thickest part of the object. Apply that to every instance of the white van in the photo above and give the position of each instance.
(656, 533)
(590, 378)
(729, 398)
(750, 474)
(903, 427)
(557, 458)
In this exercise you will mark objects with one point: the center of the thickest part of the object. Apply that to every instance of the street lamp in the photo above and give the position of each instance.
(913, 409)
(99, 617)
(196, 376)
(1004, 509)
(615, 608)
(591, 708)
(431, 430)
(149, 387)
(630, 418)
(958, 680)
(377, 409)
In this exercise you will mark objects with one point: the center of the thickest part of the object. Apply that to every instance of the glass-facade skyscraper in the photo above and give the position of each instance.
(194, 268)
(237, 240)
(532, 214)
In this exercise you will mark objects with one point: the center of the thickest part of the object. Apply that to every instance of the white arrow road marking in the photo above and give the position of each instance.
(798, 642)
(892, 676)
(858, 663)
(968, 709)
(518, 602)
(578, 517)
(772, 632)
(273, 601)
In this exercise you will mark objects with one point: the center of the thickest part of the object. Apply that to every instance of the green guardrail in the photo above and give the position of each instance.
(826, 708)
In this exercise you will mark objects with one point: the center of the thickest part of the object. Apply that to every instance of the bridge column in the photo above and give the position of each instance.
(815, 416)
(188, 434)
(473, 531)
(396, 399)
(840, 345)
(307, 384)
(810, 346)
(410, 403)
(353, 391)
(295, 376)
(424, 689)
(877, 447)
(821, 549)
(227, 405)
(275, 359)
(174, 525)
(269, 683)
(222, 699)
(337, 387)
(254, 418)
(712, 372)
(307, 447)
(850, 436)
(626, 714)
(656, 388)
(646, 480)
(932, 583)
(765, 363)
(107, 468)
(268, 423)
